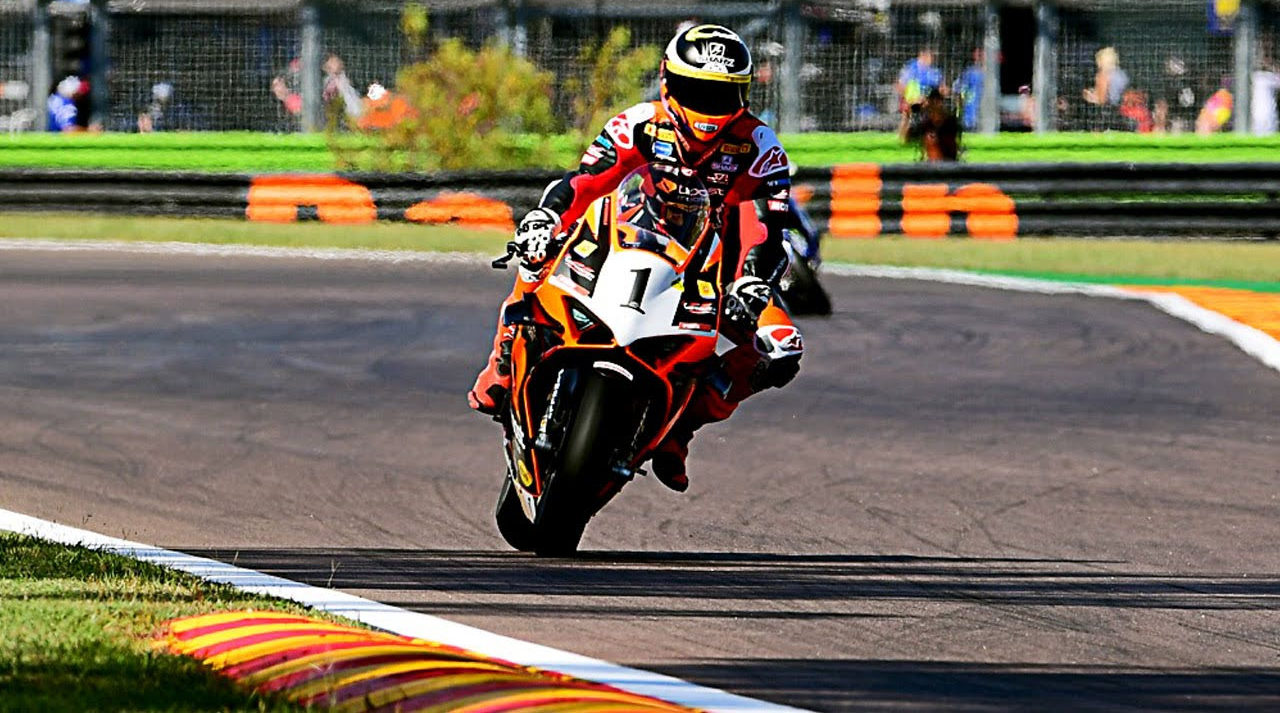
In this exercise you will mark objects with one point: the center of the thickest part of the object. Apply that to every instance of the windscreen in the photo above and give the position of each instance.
(666, 202)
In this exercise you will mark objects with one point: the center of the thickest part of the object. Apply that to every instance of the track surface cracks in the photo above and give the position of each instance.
(969, 500)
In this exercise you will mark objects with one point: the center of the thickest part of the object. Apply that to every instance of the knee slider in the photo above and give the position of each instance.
(780, 347)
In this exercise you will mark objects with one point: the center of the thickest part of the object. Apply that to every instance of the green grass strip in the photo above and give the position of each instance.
(222, 231)
(1250, 265)
(249, 152)
(76, 628)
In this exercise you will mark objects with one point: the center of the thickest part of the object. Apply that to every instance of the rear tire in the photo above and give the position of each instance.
(805, 295)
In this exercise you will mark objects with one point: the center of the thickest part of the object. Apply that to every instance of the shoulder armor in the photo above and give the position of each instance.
(622, 128)
(771, 158)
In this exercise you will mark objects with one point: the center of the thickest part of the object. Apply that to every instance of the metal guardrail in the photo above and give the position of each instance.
(853, 201)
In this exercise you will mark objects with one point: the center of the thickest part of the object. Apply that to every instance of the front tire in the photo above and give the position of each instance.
(514, 527)
(566, 506)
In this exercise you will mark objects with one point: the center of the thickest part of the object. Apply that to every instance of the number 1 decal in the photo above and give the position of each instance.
(638, 289)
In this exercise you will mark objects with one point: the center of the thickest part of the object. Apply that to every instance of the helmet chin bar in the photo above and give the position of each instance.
(686, 133)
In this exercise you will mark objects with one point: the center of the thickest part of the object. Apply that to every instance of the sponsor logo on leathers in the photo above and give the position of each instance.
(725, 164)
(772, 158)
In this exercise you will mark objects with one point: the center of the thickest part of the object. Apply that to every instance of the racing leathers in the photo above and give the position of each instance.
(744, 162)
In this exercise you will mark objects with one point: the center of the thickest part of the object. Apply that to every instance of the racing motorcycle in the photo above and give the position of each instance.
(608, 352)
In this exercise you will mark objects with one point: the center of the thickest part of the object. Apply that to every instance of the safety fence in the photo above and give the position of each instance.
(834, 65)
(852, 201)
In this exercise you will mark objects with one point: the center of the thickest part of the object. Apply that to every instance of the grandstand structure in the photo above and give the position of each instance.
(260, 65)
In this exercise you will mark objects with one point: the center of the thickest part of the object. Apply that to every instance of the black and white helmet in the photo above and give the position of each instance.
(706, 73)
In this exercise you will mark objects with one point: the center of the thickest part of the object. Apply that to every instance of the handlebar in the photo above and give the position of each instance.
(513, 250)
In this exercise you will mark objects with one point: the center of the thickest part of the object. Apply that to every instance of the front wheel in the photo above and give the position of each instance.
(512, 524)
(584, 459)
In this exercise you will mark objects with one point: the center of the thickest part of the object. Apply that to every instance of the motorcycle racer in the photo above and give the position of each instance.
(701, 123)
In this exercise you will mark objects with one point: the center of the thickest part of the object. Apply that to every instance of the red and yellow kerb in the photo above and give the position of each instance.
(343, 668)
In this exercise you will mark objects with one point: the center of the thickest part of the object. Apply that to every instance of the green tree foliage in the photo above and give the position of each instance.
(488, 108)
(473, 109)
(617, 76)
(414, 23)
(454, 108)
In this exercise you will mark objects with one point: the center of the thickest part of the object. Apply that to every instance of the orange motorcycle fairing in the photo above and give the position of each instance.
(608, 351)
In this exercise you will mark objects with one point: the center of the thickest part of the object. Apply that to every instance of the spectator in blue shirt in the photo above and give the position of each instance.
(968, 91)
(62, 106)
(917, 79)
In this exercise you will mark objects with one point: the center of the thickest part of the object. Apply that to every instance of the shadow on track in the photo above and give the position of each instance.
(772, 588)
(668, 577)
(974, 687)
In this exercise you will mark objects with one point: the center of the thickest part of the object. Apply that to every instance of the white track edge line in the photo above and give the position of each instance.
(401, 621)
(1251, 341)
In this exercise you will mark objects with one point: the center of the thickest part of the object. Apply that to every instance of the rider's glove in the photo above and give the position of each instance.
(535, 236)
(746, 301)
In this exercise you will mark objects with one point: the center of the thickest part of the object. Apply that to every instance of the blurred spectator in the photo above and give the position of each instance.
(968, 90)
(288, 105)
(1216, 111)
(384, 109)
(1174, 110)
(1107, 92)
(1110, 82)
(63, 113)
(165, 114)
(1133, 107)
(1266, 83)
(1026, 107)
(933, 125)
(917, 79)
(763, 86)
(338, 86)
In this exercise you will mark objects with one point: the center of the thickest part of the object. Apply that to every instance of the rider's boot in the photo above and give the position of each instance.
(494, 382)
(744, 371)
(669, 458)
(710, 403)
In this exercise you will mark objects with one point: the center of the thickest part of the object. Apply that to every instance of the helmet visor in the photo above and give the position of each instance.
(704, 96)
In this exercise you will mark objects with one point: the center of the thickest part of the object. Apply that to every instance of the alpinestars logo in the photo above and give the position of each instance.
(771, 161)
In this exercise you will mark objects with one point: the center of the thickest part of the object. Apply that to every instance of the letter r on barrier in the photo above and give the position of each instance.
(927, 209)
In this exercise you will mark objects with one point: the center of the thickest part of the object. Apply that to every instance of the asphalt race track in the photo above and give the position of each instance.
(969, 500)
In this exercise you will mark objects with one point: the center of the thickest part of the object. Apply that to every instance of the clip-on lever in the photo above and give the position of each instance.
(513, 249)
